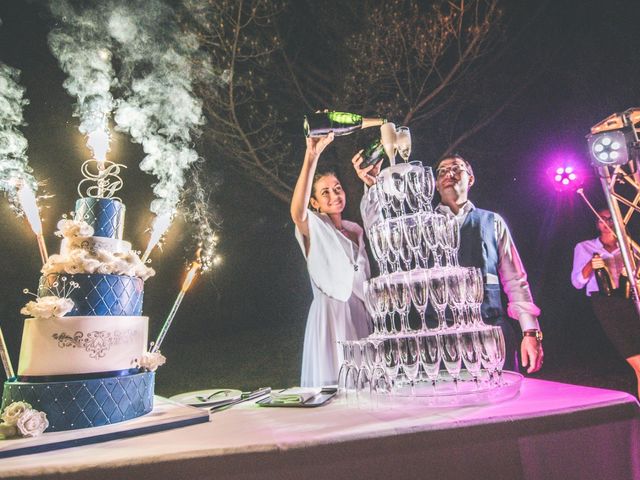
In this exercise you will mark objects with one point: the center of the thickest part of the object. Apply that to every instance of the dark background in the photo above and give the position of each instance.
(243, 324)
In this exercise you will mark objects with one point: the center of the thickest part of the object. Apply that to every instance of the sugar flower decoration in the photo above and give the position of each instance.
(47, 307)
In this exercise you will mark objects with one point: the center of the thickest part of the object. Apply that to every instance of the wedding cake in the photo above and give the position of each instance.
(83, 358)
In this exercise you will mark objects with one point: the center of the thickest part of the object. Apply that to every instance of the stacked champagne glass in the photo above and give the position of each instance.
(416, 250)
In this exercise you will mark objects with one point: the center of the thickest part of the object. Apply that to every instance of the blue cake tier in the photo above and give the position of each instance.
(105, 215)
(97, 294)
(85, 403)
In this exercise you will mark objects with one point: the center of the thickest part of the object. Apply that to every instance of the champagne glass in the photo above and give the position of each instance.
(431, 225)
(411, 228)
(406, 251)
(380, 383)
(501, 351)
(429, 187)
(418, 279)
(438, 294)
(363, 381)
(470, 350)
(393, 231)
(391, 358)
(450, 351)
(489, 354)
(430, 356)
(383, 198)
(451, 232)
(379, 245)
(351, 378)
(414, 178)
(344, 366)
(370, 304)
(474, 293)
(410, 359)
(399, 288)
(456, 289)
(398, 194)
(403, 142)
(424, 249)
(381, 300)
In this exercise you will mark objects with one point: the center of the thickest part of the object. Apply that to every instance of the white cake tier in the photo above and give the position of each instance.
(93, 244)
(81, 345)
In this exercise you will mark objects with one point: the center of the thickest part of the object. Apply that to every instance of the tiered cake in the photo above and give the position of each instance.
(83, 354)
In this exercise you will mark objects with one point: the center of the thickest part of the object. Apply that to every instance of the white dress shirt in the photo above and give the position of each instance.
(583, 253)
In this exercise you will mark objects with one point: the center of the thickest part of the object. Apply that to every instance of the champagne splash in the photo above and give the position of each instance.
(82, 45)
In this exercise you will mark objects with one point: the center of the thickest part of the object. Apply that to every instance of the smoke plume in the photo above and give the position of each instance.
(82, 45)
(159, 109)
(14, 169)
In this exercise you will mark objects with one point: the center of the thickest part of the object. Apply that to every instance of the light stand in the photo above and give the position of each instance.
(613, 143)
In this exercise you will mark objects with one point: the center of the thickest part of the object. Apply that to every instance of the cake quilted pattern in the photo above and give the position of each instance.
(100, 294)
(105, 215)
(86, 403)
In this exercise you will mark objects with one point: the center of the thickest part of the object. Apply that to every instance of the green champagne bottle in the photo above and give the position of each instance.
(340, 123)
(373, 154)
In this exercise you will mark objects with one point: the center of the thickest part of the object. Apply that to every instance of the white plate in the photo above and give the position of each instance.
(194, 398)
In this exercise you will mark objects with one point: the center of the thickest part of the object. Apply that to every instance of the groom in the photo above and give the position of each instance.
(485, 242)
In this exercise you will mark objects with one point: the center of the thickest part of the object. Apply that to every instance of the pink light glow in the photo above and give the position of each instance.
(566, 175)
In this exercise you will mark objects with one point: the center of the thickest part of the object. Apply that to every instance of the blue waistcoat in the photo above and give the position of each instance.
(479, 248)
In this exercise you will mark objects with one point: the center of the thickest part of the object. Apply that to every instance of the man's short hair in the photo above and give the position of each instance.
(453, 156)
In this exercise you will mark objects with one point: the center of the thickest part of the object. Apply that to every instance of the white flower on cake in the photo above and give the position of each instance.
(13, 412)
(151, 361)
(47, 307)
(32, 423)
(102, 261)
(74, 228)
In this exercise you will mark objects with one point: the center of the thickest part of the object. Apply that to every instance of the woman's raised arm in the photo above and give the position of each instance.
(302, 191)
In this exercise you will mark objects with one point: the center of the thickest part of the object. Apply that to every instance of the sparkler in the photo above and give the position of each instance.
(160, 226)
(4, 356)
(29, 206)
(193, 271)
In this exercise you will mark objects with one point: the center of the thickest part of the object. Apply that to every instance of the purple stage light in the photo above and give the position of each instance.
(565, 177)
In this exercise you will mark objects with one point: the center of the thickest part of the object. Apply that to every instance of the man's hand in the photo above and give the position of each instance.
(597, 262)
(368, 174)
(532, 354)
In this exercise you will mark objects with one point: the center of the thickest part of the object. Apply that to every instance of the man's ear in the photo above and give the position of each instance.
(472, 180)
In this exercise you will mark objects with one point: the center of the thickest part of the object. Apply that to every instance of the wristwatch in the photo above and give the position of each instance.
(533, 333)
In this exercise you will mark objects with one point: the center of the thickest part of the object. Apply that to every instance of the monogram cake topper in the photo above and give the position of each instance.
(101, 179)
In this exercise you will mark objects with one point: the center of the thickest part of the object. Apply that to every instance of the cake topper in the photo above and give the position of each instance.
(101, 179)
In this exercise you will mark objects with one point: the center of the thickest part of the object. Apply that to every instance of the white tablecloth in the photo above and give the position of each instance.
(550, 430)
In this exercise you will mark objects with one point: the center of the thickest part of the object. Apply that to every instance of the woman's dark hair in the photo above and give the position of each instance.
(319, 175)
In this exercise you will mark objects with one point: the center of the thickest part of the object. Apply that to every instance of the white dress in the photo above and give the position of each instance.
(337, 269)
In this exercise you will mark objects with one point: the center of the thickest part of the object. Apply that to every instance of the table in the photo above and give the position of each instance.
(549, 431)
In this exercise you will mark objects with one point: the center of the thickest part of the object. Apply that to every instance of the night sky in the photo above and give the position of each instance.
(588, 69)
